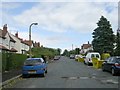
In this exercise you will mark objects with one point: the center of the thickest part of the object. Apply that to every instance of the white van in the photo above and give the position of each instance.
(89, 56)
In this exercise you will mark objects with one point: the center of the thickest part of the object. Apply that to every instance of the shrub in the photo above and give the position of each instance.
(105, 56)
(12, 61)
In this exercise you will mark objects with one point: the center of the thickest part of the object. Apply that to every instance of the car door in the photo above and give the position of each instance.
(106, 64)
(109, 64)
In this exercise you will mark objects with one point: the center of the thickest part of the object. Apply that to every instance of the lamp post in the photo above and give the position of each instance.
(30, 37)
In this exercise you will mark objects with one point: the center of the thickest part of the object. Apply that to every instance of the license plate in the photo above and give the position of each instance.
(32, 72)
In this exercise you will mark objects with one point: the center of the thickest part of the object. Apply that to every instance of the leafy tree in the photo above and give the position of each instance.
(103, 37)
(77, 50)
(59, 51)
(117, 50)
(65, 53)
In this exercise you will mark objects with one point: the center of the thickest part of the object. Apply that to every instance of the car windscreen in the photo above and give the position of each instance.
(32, 62)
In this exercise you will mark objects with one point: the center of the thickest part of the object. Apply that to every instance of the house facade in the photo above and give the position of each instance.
(12, 43)
(86, 48)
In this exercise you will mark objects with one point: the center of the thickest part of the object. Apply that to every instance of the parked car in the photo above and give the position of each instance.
(89, 56)
(34, 66)
(56, 57)
(112, 64)
(72, 56)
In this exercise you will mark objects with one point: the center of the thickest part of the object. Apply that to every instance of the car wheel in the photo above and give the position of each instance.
(84, 63)
(103, 68)
(43, 74)
(24, 76)
(113, 72)
(46, 71)
(88, 64)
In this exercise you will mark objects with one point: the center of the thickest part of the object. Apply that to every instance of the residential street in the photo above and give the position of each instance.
(67, 73)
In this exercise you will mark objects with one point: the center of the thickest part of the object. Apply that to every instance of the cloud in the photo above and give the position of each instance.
(60, 0)
(62, 17)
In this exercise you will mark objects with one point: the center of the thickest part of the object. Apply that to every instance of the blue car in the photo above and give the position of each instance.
(34, 66)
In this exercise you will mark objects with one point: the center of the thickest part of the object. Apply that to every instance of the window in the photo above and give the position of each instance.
(92, 55)
(97, 56)
(33, 62)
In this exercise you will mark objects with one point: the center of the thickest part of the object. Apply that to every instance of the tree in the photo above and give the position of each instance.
(103, 37)
(117, 50)
(65, 53)
(59, 51)
(77, 50)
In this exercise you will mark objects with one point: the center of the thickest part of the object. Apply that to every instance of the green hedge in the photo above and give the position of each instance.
(0, 62)
(12, 61)
(105, 56)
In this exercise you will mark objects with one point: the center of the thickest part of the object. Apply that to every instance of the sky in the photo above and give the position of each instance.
(61, 23)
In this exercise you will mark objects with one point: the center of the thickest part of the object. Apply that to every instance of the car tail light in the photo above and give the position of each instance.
(117, 64)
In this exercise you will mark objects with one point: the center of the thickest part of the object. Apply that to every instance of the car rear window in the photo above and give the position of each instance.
(118, 60)
(92, 55)
(32, 62)
(97, 56)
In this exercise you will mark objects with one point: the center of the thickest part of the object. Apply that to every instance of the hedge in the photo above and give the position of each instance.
(0, 62)
(105, 56)
(12, 61)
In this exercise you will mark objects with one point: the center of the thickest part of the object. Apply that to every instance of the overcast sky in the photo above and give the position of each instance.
(61, 23)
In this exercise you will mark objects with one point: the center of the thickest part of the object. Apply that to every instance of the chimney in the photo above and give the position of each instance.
(5, 28)
(88, 42)
(16, 34)
(38, 44)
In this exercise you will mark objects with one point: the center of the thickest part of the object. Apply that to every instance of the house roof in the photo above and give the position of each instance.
(86, 46)
(11, 39)
(28, 42)
(3, 48)
(36, 44)
(13, 50)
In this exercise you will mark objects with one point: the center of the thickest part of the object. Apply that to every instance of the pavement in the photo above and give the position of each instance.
(8, 76)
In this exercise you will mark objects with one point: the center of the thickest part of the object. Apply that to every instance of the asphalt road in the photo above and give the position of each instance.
(67, 73)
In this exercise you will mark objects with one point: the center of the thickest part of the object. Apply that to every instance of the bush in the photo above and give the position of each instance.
(12, 61)
(105, 56)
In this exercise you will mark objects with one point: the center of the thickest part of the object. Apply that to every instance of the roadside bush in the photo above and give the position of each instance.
(0, 62)
(105, 56)
(12, 61)
(3, 61)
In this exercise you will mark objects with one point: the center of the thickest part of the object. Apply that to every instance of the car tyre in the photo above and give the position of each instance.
(113, 72)
(84, 63)
(24, 76)
(103, 68)
(43, 74)
(88, 64)
(46, 71)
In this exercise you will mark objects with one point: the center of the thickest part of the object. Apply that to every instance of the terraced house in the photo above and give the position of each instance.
(13, 43)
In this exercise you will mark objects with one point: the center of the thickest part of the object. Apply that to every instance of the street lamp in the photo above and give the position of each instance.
(30, 37)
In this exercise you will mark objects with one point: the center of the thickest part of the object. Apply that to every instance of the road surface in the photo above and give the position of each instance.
(67, 73)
